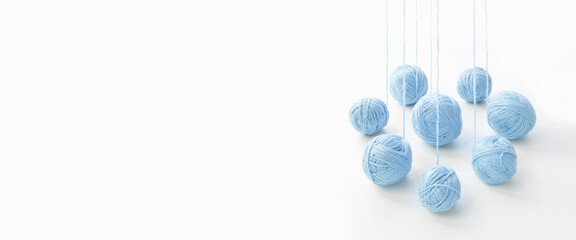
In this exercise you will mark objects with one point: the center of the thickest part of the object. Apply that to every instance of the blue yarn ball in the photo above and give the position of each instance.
(466, 84)
(369, 115)
(387, 159)
(424, 119)
(494, 160)
(511, 115)
(439, 189)
(416, 83)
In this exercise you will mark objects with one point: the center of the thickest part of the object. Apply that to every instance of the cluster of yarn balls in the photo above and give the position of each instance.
(437, 119)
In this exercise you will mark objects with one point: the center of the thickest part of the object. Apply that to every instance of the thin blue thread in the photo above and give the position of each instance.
(404, 106)
(474, 61)
(387, 59)
(438, 46)
(437, 81)
(431, 47)
(417, 33)
(486, 35)
(404, 63)
(404, 32)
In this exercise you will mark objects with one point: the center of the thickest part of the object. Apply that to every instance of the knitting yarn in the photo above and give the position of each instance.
(369, 115)
(416, 84)
(439, 189)
(511, 115)
(494, 159)
(387, 159)
(466, 84)
(424, 119)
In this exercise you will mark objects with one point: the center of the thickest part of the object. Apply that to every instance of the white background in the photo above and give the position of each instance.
(229, 120)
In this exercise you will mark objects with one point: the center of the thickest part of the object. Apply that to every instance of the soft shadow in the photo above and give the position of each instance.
(451, 145)
(456, 210)
(479, 104)
(525, 140)
(505, 185)
(515, 188)
(399, 193)
(556, 138)
(401, 186)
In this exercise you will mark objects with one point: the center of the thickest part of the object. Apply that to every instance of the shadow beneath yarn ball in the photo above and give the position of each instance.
(522, 141)
(399, 193)
(548, 139)
(514, 188)
(456, 210)
(466, 103)
(508, 184)
(401, 186)
(450, 146)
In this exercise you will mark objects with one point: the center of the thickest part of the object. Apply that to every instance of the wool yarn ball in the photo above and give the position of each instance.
(466, 84)
(494, 159)
(369, 115)
(439, 189)
(387, 159)
(416, 84)
(511, 115)
(424, 119)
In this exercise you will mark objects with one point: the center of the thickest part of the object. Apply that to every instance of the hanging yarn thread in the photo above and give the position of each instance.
(439, 187)
(424, 119)
(369, 115)
(475, 84)
(493, 157)
(388, 158)
(408, 83)
(387, 53)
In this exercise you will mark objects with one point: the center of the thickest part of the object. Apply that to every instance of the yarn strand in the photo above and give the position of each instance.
(431, 47)
(439, 187)
(486, 36)
(387, 59)
(437, 81)
(403, 32)
(416, 32)
(404, 63)
(474, 62)
(404, 107)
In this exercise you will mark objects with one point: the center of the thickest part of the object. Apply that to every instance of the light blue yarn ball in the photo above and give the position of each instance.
(416, 83)
(369, 115)
(424, 119)
(439, 189)
(511, 115)
(494, 160)
(387, 159)
(466, 84)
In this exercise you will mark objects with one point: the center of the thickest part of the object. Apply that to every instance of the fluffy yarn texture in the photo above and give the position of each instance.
(416, 83)
(466, 84)
(439, 189)
(369, 115)
(387, 159)
(511, 115)
(494, 160)
(424, 119)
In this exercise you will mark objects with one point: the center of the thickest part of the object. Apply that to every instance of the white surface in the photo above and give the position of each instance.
(229, 120)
